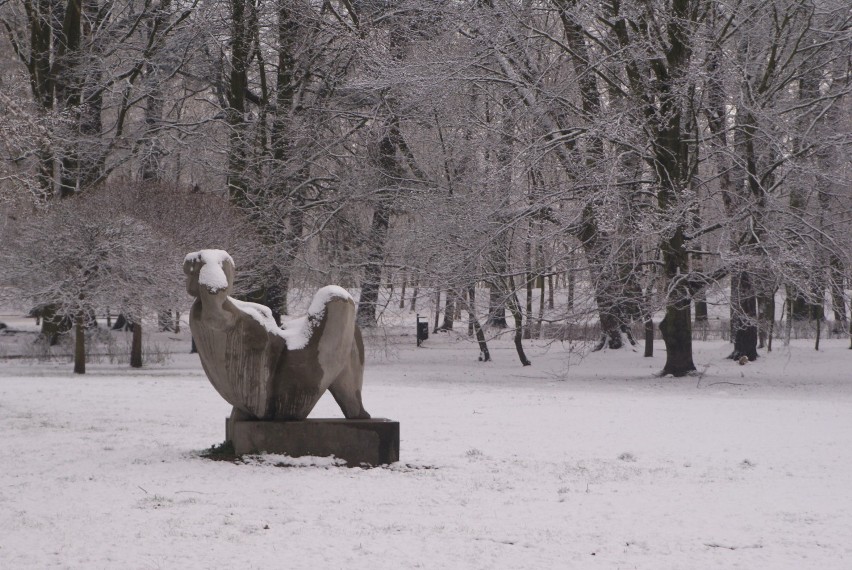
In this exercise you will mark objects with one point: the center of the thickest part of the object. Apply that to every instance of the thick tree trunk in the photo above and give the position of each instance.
(676, 326)
(237, 86)
(744, 317)
(676, 329)
(610, 331)
(798, 308)
(497, 308)
(572, 284)
(392, 173)
(80, 344)
(838, 302)
(53, 325)
(373, 269)
(136, 346)
(152, 153)
(449, 312)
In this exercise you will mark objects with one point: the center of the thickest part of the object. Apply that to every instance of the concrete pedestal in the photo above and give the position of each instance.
(371, 442)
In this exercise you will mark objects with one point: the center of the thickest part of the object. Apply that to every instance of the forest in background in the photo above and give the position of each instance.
(632, 154)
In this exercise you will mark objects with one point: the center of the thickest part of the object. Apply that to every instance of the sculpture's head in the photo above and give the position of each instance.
(212, 269)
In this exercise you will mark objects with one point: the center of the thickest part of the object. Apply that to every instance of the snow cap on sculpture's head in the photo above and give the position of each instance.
(209, 268)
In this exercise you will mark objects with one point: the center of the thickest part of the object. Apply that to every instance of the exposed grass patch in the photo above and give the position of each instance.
(221, 452)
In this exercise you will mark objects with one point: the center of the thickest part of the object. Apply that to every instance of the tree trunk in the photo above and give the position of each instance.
(80, 344)
(744, 317)
(437, 309)
(136, 346)
(391, 171)
(799, 309)
(788, 329)
(676, 326)
(373, 269)
(541, 307)
(52, 325)
(677, 336)
(449, 312)
(701, 307)
(484, 354)
(550, 291)
(610, 330)
(649, 337)
(471, 306)
(497, 308)
(818, 332)
(766, 322)
(838, 302)
(572, 282)
(515, 308)
(237, 85)
(165, 322)
(527, 332)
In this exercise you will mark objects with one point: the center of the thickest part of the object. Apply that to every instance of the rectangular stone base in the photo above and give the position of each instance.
(371, 442)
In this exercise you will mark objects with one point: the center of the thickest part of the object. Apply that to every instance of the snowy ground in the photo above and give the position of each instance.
(593, 463)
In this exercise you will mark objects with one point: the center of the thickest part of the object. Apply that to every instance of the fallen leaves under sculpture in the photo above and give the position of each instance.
(265, 371)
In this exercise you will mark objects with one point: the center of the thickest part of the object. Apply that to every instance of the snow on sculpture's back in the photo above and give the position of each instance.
(265, 371)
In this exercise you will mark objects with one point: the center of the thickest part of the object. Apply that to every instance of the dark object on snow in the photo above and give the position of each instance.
(122, 323)
(357, 442)
(422, 329)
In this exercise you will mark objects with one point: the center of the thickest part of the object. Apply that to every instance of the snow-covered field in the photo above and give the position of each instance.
(569, 463)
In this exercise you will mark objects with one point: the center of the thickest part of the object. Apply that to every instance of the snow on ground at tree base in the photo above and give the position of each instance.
(569, 463)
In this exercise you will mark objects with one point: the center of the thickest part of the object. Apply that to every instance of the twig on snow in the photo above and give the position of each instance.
(715, 545)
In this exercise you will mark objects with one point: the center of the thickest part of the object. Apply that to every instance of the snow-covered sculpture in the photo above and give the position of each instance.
(265, 371)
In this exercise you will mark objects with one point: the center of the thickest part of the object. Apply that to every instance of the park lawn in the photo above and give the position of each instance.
(589, 462)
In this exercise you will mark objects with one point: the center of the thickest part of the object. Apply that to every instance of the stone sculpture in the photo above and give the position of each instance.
(265, 371)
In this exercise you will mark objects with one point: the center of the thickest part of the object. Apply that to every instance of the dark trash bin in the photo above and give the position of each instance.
(422, 329)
